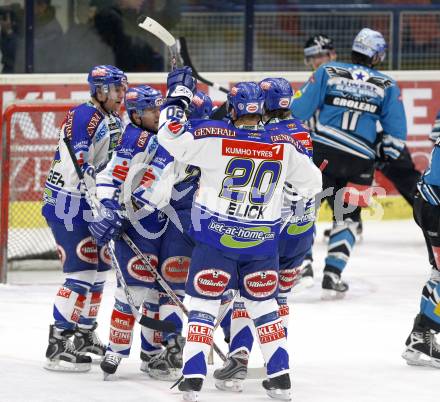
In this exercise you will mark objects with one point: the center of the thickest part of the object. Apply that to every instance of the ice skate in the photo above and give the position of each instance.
(421, 347)
(278, 387)
(109, 365)
(191, 388)
(333, 287)
(87, 341)
(167, 365)
(145, 359)
(230, 377)
(61, 354)
(305, 280)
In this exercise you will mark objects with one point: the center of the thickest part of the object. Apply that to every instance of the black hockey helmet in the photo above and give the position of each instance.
(318, 44)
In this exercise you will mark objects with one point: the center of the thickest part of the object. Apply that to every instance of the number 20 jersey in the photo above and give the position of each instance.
(237, 208)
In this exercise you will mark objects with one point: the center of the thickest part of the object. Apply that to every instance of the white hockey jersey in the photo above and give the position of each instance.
(237, 208)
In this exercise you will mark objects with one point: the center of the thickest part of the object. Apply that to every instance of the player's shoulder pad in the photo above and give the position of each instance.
(136, 137)
(86, 117)
(296, 129)
(282, 134)
(211, 128)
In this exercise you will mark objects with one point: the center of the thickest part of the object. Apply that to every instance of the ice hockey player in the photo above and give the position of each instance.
(295, 240)
(351, 98)
(318, 50)
(176, 245)
(235, 220)
(93, 130)
(114, 185)
(421, 346)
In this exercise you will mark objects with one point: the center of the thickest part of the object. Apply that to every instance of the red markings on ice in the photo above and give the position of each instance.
(250, 149)
(271, 332)
(200, 334)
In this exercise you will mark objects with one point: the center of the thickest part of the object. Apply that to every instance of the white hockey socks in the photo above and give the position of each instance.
(199, 337)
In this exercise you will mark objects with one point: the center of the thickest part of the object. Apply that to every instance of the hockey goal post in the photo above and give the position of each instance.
(30, 131)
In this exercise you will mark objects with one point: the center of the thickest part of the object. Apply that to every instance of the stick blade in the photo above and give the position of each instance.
(157, 325)
(157, 30)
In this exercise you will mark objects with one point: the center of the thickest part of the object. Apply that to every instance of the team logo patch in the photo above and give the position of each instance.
(99, 72)
(199, 333)
(288, 278)
(122, 321)
(87, 251)
(131, 95)
(240, 106)
(175, 269)
(105, 256)
(159, 101)
(142, 139)
(265, 85)
(211, 282)
(137, 269)
(252, 107)
(61, 254)
(297, 94)
(261, 284)
(284, 102)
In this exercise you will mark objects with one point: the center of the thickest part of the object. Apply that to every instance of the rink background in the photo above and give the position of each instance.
(341, 351)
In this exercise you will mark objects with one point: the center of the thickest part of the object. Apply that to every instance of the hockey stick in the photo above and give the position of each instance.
(221, 111)
(165, 326)
(187, 61)
(165, 286)
(152, 26)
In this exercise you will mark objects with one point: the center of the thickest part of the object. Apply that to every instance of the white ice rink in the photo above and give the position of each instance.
(341, 351)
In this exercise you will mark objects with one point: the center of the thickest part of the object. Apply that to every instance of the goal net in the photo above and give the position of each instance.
(30, 133)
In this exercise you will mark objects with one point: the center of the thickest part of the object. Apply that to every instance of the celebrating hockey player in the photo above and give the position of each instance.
(136, 149)
(177, 247)
(351, 99)
(295, 240)
(92, 130)
(421, 346)
(235, 220)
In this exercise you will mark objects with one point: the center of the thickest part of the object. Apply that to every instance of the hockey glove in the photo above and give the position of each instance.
(390, 148)
(108, 224)
(181, 87)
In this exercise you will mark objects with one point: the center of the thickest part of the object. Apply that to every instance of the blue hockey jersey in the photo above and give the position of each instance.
(351, 100)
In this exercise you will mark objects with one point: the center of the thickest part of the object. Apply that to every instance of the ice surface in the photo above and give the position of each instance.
(341, 351)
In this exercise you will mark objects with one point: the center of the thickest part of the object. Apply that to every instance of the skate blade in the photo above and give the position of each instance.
(109, 377)
(415, 358)
(231, 385)
(280, 394)
(144, 367)
(61, 365)
(190, 396)
(170, 375)
(328, 294)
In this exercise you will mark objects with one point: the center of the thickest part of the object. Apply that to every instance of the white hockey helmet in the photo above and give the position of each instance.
(370, 43)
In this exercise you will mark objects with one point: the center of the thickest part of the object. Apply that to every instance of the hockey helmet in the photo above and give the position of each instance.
(105, 75)
(246, 98)
(278, 93)
(370, 43)
(200, 106)
(318, 44)
(142, 97)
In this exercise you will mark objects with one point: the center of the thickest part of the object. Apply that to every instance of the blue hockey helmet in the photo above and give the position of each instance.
(370, 43)
(142, 97)
(278, 93)
(200, 106)
(246, 98)
(105, 75)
